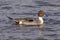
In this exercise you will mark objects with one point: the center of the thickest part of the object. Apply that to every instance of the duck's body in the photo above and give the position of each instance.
(26, 21)
(30, 21)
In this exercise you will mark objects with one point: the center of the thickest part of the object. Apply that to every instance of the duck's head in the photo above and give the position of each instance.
(40, 15)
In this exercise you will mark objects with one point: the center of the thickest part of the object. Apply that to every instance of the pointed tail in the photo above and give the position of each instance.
(9, 18)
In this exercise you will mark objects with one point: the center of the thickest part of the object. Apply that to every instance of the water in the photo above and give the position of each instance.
(29, 8)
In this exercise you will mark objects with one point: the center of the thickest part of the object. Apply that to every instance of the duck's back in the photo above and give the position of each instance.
(26, 19)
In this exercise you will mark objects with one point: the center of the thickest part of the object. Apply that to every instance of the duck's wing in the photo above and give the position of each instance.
(27, 18)
(19, 19)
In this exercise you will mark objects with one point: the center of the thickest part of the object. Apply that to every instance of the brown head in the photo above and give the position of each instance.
(40, 13)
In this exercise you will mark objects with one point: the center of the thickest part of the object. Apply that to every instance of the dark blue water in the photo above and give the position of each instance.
(29, 8)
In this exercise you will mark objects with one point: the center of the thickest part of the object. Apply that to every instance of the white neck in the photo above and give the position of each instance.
(41, 20)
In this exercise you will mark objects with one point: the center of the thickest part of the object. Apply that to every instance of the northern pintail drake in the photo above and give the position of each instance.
(29, 20)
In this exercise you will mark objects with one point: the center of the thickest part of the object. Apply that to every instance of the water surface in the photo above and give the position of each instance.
(29, 8)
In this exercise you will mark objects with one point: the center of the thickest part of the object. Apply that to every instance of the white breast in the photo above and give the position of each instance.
(41, 20)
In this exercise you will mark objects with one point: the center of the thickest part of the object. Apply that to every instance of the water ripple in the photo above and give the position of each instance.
(51, 21)
(8, 8)
(41, 3)
(29, 6)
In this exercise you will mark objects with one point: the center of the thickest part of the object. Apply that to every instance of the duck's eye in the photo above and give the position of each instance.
(30, 20)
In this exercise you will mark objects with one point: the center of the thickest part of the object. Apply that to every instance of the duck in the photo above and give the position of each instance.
(30, 20)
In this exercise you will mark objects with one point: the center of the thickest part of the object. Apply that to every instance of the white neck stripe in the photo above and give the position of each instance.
(41, 20)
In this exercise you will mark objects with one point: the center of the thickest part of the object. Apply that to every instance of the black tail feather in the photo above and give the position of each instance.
(10, 18)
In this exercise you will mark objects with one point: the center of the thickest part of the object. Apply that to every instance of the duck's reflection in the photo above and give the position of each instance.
(27, 31)
(40, 31)
(41, 26)
(40, 34)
